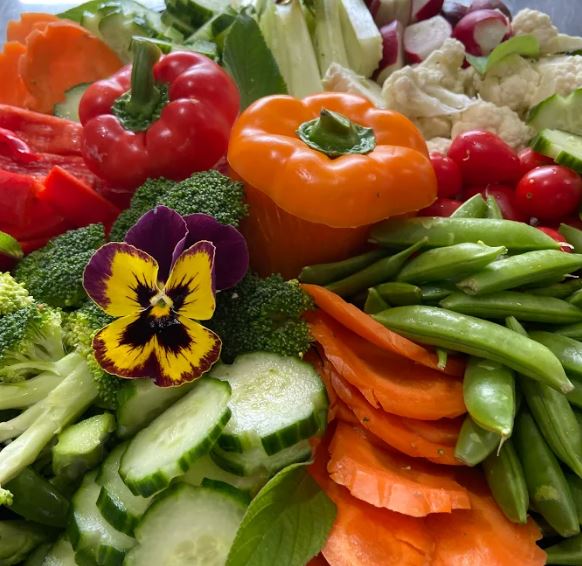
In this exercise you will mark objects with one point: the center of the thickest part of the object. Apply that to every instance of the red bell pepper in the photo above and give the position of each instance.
(16, 194)
(164, 117)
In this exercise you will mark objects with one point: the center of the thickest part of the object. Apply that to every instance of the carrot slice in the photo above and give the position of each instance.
(388, 479)
(19, 30)
(386, 380)
(397, 432)
(315, 360)
(61, 56)
(12, 88)
(364, 325)
(483, 536)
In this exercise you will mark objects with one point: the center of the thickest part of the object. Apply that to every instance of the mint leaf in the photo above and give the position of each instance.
(286, 524)
(9, 246)
(525, 45)
(250, 62)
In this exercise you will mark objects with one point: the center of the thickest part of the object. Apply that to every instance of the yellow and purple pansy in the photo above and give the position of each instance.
(158, 284)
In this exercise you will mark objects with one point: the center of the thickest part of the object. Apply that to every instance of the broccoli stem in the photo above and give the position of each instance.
(17, 425)
(26, 393)
(63, 404)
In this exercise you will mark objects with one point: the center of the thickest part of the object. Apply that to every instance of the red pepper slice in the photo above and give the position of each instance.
(14, 148)
(16, 194)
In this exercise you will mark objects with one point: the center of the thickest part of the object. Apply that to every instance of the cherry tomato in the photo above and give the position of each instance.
(448, 175)
(484, 158)
(574, 221)
(549, 193)
(503, 194)
(441, 207)
(530, 159)
(564, 246)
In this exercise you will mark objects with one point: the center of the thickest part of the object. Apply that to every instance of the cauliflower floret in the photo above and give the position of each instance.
(438, 127)
(340, 79)
(499, 120)
(560, 74)
(538, 24)
(439, 145)
(435, 87)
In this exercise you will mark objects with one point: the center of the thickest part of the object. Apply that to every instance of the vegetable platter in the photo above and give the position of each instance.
(290, 282)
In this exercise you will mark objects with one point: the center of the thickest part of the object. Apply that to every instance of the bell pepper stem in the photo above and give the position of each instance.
(144, 96)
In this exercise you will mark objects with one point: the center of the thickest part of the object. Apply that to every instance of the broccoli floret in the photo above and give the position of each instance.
(13, 295)
(262, 315)
(208, 192)
(54, 274)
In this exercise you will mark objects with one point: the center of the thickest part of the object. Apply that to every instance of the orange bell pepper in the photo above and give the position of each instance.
(319, 171)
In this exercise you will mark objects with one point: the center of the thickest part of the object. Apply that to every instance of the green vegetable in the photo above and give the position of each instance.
(558, 112)
(475, 443)
(513, 324)
(18, 539)
(493, 210)
(524, 45)
(374, 302)
(9, 246)
(575, 484)
(262, 315)
(399, 294)
(573, 236)
(286, 524)
(566, 552)
(208, 192)
(475, 207)
(327, 35)
(567, 350)
(564, 148)
(435, 293)
(54, 274)
(557, 290)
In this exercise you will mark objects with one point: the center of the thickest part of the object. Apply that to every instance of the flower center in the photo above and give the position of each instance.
(161, 300)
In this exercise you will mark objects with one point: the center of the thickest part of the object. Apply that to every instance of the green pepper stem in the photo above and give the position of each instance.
(144, 96)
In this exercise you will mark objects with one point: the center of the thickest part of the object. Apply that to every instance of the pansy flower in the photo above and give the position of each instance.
(158, 284)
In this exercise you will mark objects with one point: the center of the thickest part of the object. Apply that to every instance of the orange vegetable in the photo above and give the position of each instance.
(385, 478)
(330, 160)
(18, 30)
(386, 380)
(364, 325)
(398, 432)
(315, 360)
(12, 88)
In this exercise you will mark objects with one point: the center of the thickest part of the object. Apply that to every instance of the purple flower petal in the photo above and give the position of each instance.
(232, 255)
(161, 232)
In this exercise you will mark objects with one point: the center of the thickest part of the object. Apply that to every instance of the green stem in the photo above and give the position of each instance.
(144, 95)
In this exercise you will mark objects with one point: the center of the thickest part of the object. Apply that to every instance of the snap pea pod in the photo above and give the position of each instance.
(517, 270)
(557, 422)
(511, 303)
(493, 210)
(573, 236)
(575, 484)
(515, 236)
(548, 489)
(475, 207)
(576, 298)
(474, 443)
(435, 293)
(450, 262)
(575, 396)
(513, 324)
(567, 350)
(506, 480)
(489, 394)
(324, 273)
(378, 272)
(374, 302)
(558, 290)
(480, 338)
(399, 294)
(566, 553)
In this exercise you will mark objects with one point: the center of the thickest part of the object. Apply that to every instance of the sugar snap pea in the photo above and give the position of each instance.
(324, 273)
(558, 290)
(548, 489)
(374, 302)
(575, 396)
(475, 207)
(511, 303)
(378, 272)
(399, 294)
(573, 236)
(566, 553)
(435, 293)
(474, 443)
(513, 324)
(575, 484)
(515, 236)
(517, 270)
(576, 298)
(480, 338)
(506, 480)
(493, 210)
(567, 350)
(557, 422)
(489, 394)
(450, 262)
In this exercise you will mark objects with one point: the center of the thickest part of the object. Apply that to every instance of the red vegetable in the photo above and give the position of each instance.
(392, 50)
(42, 221)
(482, 31)
(422, 38)
(449, 179)
(130, 137)
(531, 159)
(16, 194)
(484, 158)
(490, 5)
(505, 197)
(425, 9)
(565, 246)
(549, 193)
(441, 207)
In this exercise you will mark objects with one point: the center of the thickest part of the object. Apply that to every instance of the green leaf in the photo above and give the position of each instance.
(525, 45)
(286, 524)
(9, 246)
(250, 62)
(76, 13)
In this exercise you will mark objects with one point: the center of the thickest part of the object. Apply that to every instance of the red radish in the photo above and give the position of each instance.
(386, 11)
(482, 31)
(441, 207)
(454, 10)
(564, 245)
(392, 50)
(425, 9)
(422, 38)
(490, 5)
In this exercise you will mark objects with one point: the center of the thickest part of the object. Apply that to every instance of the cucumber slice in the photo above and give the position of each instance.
(60, 554)
(95, 541)
(140, 401)
(564, 148)
(559, 113)
(205, 470)
(118, 28)
(276, 402)
(196, 12)
(82, 446)
(188, 525)
(69, 108)
(257, 461)
(168, 446)
(121, 508)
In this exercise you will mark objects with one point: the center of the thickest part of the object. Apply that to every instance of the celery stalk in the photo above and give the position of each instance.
(328, 38)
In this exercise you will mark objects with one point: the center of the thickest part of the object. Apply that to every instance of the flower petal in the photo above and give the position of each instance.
(184, 352)
(232, 254)
(161, 232)
(191, 282)
(121, 279)
(125, 347)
